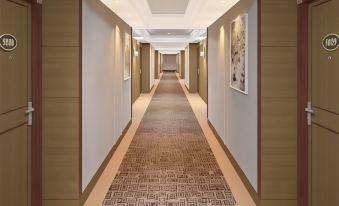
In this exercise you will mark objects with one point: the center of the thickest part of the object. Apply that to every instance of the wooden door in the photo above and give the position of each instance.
(14, 97)
(324, 97)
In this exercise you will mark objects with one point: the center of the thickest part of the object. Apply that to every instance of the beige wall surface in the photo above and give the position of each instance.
(234, 115)
(202, 84)
(136, 67)
(106, 95)
(170, 62)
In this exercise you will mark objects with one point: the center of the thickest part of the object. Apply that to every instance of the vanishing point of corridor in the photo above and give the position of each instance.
(169, 162)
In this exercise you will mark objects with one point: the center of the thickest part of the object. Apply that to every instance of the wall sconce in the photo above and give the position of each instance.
(202, 53)
(136, 53)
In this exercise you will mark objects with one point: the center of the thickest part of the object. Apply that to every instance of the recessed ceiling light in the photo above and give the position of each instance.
(222, 1)
(169, 33)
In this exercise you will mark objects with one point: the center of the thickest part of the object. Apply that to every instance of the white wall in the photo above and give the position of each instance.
(233, 114)
(106, 96)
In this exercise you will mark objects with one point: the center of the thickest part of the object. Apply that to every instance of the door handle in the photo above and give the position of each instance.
(309, 112)
(29, 113)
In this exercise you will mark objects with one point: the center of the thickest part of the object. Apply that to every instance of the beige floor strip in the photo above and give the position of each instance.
(238, 189)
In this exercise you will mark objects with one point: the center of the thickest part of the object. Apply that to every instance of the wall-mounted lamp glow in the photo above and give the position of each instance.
(136, 53)
(202, 53)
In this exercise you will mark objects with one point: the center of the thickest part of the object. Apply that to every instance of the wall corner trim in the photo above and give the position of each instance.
(102, 167)
(236, 166)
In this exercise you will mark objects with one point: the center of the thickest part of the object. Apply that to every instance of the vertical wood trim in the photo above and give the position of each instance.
(303, 184)
(36, 145)
(207, 51)
(80, 98)
(259, 100)
(132, 59)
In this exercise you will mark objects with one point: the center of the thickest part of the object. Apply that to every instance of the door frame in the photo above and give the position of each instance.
(36, 137)
(303, 66)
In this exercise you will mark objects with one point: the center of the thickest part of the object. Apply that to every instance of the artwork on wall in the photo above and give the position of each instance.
(127, 57)
(239, 54)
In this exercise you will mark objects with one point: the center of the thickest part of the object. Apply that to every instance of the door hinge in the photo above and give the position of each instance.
(309, 111)
(29, 113)
(299, 2)
(39, 1)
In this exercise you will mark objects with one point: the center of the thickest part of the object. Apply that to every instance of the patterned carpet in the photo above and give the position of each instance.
(169, 162)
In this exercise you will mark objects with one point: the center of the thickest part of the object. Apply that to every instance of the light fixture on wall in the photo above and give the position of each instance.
(202, 53)
(136, 53)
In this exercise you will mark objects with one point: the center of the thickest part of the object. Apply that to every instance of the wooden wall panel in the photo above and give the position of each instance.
(203, 71)
(193, 67)
(145, 67)
(156, 65)
(278, 202)
(182, 71)
(60, 202)
(278, 103)
(61, 72)
(60, 148)
(60, 25)
(278, 23)
(61, 102)
(136, 78)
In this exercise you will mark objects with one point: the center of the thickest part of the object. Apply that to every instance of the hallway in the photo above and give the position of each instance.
(169, 103)
(169, 161)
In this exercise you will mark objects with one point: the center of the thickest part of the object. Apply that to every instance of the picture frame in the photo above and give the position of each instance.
(127, 57)
(239, 54)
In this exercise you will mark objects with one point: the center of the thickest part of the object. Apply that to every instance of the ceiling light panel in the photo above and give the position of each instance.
(168, 6)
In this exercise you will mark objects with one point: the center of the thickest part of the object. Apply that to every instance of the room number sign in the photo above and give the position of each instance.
(8, 42)
(331, 42)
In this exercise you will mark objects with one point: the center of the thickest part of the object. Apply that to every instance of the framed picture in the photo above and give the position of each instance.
(127, 57)
(239, 54)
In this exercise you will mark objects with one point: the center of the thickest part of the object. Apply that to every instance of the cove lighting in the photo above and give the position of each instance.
(138, 38)
(201, 38)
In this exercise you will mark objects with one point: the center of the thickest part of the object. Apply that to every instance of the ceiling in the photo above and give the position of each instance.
(169, 24)
(169, 41)
(176, 32)
(169, 14)
(168, 6)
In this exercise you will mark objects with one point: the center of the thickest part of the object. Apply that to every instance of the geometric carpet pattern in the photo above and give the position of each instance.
(169, 162)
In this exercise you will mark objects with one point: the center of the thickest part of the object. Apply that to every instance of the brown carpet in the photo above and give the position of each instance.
(169, 162)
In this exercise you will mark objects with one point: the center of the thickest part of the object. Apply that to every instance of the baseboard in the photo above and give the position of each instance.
(102, 167)
(236, 166)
